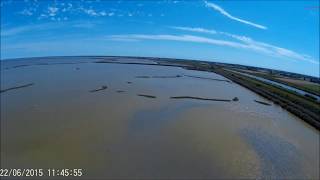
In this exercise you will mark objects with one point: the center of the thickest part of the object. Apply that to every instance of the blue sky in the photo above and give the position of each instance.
(281, 35)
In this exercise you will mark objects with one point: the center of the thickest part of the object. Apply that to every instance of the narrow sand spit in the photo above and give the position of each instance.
(199, 98)
(99, 89)
(16, 87)
(147, 96)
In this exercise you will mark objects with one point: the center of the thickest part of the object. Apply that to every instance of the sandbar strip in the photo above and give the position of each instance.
(199, 98)
(16, 87)
(213, 79)
(99, 89)
(147, 96)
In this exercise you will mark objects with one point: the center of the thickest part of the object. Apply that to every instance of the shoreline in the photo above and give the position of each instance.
(298, 109)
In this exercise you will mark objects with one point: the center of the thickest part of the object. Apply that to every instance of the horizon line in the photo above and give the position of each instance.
(173, 58)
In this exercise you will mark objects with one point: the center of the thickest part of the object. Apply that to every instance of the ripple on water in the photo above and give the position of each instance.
(279, 158)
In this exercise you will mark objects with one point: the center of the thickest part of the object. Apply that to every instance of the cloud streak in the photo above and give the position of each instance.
(182, 38)
(194, 29)
(271, 49)
(225, 13)
(22, 30)
(242, 42)
(255, 45)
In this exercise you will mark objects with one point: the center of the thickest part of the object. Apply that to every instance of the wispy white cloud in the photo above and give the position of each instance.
(90, 12)
(271, 49)
(195, 29)
(30, 8)
(26, 12)
(225, 13)
(183, 38)
(103, 13)
(255, 45)
(52, 11)
(242, 42)
(62, 11)
(20, 30)
(55, 12)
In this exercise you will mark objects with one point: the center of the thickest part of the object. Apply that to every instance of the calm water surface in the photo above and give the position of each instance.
(58, 123)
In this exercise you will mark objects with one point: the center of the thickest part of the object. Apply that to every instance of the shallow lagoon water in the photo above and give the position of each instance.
(59, 123)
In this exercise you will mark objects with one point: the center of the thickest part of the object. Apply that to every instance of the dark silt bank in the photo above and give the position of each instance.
(99, 89)
(16, 87)
(120, 91)
(206, 78)
(261, 102)
(147, 96)
(199, 98)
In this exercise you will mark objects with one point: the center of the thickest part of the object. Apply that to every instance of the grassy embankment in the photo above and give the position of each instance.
(310, 88)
